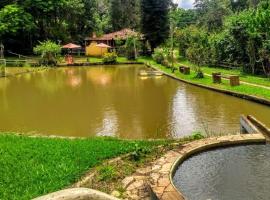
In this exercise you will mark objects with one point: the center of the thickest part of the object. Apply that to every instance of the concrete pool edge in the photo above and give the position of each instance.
(228, 92)
(77, 194)
(161, 180)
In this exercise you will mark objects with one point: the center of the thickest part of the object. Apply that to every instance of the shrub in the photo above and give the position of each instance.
(139, 153)
(110, 58)
(197, 136)
(166, 63)
(107, 173)
(158, 55)
(48, 51)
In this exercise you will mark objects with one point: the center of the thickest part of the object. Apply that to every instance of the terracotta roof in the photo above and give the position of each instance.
(123, 34)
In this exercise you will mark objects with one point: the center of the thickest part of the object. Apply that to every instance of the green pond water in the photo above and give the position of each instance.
(115, 101)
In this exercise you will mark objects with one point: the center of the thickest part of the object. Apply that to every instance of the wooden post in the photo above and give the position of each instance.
(186, 71)
(234, 80)
(216, 77)
(181, 69)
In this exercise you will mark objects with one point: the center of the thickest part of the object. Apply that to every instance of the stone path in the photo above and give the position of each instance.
(154, 181)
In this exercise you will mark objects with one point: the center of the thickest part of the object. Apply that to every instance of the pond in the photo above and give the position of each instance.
(115, 101)
(237, 173)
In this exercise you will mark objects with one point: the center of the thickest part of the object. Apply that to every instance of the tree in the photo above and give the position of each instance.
(132, 46)
(124, 14)
(154, 21)
(48, 51)
(197, 52)
(13, 18)
(212, 13)
(102, 17)
(183, 18)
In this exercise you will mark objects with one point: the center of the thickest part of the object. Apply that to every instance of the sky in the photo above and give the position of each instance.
(186, 4)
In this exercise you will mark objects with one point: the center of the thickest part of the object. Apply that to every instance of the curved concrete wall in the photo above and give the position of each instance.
(161, 178)
(77, 194)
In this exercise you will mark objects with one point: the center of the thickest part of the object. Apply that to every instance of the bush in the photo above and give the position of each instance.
(197, 136)
(110, 58)
(139, 152)
(166, 63)
(158, 55)
(48, 51)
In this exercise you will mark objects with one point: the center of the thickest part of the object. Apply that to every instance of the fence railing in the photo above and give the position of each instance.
(3, 62)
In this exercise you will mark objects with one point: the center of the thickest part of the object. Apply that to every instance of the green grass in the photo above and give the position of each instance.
(78, 59)
(244, 77)
(31, 167)
(207, 81)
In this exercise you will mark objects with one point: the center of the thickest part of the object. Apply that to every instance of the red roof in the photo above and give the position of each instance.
(123, 34)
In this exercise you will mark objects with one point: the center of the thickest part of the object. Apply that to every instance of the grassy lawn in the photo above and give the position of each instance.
(243, 77)
(31, 167)
(245, 89)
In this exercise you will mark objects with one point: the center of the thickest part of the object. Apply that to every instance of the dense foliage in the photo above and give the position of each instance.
(125, 13)
(23, 23)
(228, 33)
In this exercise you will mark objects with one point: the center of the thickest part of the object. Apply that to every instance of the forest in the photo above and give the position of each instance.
(227, 33)
(215, 32)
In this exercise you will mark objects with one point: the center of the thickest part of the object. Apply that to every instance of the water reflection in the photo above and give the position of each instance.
(115, 101)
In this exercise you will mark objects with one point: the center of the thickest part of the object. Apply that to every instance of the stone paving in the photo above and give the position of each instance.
(154, 181)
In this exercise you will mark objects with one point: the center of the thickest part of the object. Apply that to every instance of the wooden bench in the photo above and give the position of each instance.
(234, 79)
(184, 70)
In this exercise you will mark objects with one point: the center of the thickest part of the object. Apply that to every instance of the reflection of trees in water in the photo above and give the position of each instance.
(141, 106)
(51, 81)
(4, 84)
(216, 112)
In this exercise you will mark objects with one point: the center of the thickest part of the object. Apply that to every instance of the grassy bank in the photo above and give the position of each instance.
(84, 59)
(31, 167)
(207, 81)
(244, 77)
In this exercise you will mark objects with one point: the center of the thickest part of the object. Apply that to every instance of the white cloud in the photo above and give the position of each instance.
(187, 4)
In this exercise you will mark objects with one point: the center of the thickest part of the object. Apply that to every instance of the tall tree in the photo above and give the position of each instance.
(182, 17)
(125, 14)
(212, 13)
(155, 21)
